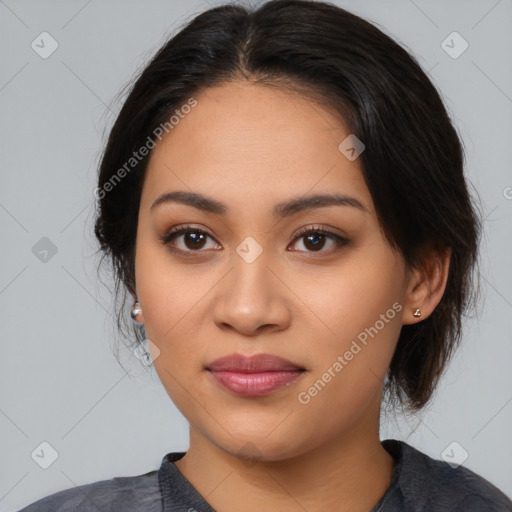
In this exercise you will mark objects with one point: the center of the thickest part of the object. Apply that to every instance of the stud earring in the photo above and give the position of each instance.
(417, 313)
(136, 310)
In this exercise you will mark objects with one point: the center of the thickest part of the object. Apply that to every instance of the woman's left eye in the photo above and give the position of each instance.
(194, 239)
(315, 238)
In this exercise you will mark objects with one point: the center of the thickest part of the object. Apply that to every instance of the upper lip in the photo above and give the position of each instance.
(252, 364)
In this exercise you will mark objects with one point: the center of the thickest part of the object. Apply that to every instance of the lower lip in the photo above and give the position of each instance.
(255, 384)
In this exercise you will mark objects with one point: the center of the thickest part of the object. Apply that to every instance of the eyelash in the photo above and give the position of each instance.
(180, 230)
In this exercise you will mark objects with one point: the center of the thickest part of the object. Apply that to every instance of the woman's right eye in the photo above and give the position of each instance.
(193, 239)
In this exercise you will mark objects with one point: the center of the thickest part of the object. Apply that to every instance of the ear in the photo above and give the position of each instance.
(427, 284)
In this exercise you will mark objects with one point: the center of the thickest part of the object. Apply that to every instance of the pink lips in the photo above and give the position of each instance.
(255, 375)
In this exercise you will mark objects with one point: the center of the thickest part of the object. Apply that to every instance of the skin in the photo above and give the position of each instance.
(250, 147)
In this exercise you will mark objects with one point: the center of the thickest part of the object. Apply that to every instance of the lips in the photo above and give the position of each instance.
(252, 364)
(254, 375)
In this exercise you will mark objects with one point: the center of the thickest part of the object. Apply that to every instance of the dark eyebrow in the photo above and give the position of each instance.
(281, 210)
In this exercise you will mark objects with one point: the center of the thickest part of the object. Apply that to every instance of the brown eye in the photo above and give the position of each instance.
(193, 239)
(314, 240)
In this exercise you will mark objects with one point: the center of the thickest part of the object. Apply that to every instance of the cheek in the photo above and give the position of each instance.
(348, 378)
(167, 299)
(359, 311)
(168, 294)
(351, 296)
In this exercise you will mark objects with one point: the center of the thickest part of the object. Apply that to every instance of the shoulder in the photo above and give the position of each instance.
(120, 493)
(438, 486)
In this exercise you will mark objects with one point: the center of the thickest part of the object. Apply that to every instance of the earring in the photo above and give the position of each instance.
(417, 313)
(136, 310)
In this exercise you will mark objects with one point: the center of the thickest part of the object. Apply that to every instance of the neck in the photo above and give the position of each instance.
(349, 473)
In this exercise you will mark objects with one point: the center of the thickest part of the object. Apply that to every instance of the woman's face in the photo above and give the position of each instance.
(254, 285)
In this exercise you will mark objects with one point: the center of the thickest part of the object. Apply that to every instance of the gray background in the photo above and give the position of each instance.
(60, 382)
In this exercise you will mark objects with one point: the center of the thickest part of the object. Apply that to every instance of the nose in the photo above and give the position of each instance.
(252, 299)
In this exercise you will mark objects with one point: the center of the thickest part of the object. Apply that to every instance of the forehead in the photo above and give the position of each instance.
(250, 144)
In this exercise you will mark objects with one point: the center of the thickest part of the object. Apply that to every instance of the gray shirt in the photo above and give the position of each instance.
(418, 484)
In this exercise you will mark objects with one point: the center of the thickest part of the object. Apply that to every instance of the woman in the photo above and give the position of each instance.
(283, 198)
